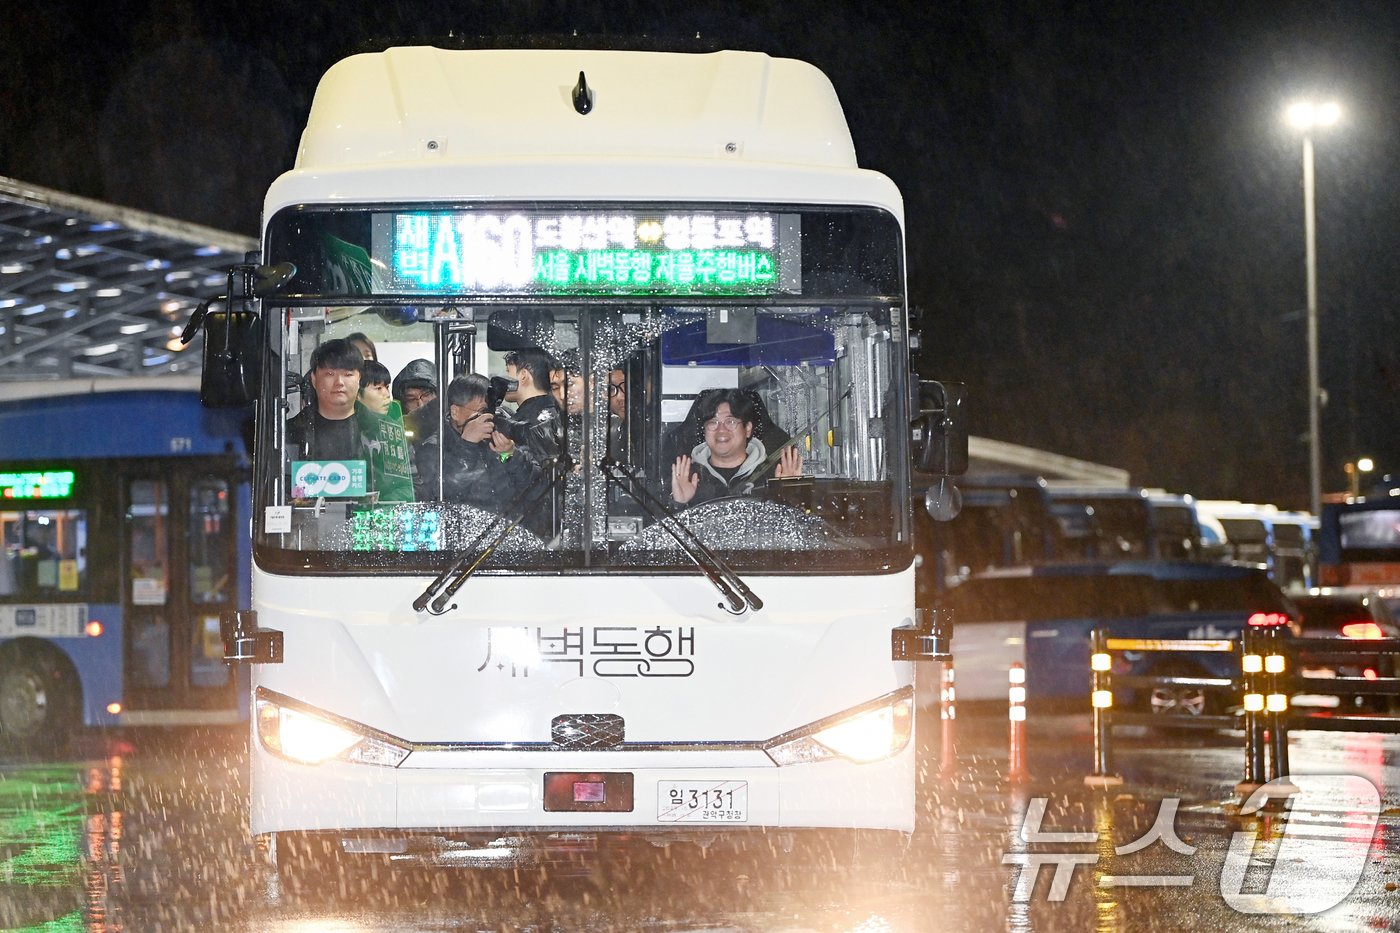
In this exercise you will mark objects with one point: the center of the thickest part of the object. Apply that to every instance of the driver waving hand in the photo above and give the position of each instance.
(729, 460)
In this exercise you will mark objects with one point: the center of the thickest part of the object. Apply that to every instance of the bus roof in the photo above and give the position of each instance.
(411, 104)
(96, 418)
(56, 388)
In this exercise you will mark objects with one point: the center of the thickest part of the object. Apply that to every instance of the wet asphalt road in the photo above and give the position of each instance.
(146, 832)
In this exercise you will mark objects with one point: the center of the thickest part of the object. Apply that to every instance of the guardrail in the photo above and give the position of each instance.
(1269, 674)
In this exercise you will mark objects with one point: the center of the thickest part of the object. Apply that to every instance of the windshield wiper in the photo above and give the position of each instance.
(461, 569)
(735, 591)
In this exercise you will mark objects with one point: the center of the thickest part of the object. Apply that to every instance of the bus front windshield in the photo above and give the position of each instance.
(598, 435)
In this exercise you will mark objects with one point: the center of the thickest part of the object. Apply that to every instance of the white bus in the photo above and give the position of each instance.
(588, 659)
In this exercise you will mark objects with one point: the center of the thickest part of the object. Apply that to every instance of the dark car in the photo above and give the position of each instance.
(1357, 617)
(1043, 618)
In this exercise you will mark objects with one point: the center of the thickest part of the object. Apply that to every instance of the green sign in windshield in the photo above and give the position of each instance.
(46, 484)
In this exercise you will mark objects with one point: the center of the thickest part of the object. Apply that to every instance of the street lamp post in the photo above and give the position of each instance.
(1305, 115)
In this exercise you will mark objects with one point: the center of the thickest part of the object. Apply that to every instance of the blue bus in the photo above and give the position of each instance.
(1015, 521)
(124, 516)
(1358, 540)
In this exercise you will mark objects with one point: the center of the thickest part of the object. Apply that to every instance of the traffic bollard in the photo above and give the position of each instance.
(1101, 697)
(1251, 669)
(947, 717)
(1016, 713)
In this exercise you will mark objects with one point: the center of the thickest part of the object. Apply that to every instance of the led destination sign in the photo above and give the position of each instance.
(605, 252)
(48, 484)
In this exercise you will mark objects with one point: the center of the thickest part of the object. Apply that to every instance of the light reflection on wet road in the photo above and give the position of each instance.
(148, 833)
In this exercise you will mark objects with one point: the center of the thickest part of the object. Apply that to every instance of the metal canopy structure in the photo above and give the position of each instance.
(89, 289)
(991, 457)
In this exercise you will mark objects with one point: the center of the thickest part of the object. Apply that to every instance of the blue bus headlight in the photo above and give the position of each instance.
(865, 736)
(304, 737)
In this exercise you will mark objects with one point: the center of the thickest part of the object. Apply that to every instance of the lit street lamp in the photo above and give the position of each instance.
(1305, 115)
(1354, 471)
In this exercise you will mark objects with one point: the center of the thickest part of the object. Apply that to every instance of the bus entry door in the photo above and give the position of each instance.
(179, 566)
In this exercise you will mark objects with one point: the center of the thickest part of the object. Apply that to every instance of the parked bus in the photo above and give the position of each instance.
(1005, 522)
(123, 536)
(1295, 550)
(588, 660)
(1262, 533)
(1358, 541)
(1119, 523)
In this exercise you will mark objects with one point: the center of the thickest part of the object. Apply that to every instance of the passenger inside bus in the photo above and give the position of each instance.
(374, 387)
(415, 389)
(364, 345)
(415, 385)
(731, 458)
(337, 426)
(536, 423)
(566, 384)
(567, 387)
(327, 428)
(480, 464)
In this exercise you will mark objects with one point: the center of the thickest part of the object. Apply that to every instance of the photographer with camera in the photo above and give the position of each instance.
(481, 465)
(535, 425)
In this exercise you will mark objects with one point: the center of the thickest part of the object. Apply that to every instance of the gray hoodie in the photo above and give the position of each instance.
(746, 479)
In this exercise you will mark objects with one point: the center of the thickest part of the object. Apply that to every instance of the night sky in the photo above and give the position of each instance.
(1105, 208)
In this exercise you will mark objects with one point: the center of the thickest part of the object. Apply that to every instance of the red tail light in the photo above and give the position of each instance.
(1362, 630)
(1268, 619)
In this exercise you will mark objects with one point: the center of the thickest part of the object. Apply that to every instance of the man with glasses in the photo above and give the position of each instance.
(729, 460)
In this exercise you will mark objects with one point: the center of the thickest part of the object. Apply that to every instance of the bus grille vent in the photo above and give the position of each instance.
(587, 730)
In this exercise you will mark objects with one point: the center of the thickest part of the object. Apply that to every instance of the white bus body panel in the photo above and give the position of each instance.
(431, 125)
(407, 104)
(476, 675)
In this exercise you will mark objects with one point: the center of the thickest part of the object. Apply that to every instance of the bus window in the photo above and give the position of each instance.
(209, 541)
(1176, 532)
(44, 554)
(1249, 539)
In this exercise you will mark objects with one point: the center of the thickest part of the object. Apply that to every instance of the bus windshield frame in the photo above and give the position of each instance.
(815, 350)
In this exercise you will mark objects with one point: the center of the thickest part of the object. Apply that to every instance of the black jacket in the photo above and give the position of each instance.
(535, 427)
(472, 472)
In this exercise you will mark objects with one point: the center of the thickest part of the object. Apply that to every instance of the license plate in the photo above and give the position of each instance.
(697, 802)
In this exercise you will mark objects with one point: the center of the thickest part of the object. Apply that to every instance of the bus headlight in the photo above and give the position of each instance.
(304, 737)
(865, 736)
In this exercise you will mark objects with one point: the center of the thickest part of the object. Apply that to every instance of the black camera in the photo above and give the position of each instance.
(496, 393)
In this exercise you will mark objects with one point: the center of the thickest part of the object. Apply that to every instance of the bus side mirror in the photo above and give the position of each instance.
(938, 437)
(939, 432)
(233, 333)
(232, 358)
